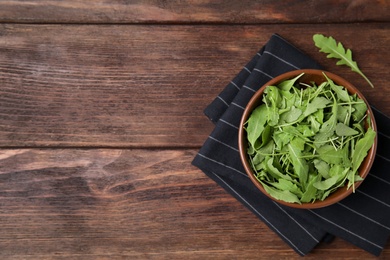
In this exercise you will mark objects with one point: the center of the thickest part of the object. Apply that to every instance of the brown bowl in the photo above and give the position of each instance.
(309, 76)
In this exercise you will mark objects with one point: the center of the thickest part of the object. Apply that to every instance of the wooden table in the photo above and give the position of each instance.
(101, 115)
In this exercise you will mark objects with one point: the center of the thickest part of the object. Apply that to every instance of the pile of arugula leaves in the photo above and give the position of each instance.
(306, 141)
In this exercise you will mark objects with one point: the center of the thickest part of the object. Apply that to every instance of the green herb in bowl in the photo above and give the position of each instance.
(306, 140)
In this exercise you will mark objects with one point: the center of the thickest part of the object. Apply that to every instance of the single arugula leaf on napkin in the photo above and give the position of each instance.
(329, 45)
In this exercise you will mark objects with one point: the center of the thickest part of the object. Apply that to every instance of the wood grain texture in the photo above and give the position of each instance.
(130, 204)
(178, 11)
(101, 114)
(147, 86)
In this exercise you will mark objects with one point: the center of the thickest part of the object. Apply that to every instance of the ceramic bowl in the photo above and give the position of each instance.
(308, 77)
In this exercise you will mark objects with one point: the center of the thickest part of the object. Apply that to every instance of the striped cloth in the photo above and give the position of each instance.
(363, 218)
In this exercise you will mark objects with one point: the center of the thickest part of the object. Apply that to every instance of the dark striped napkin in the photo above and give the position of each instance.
(363, 218)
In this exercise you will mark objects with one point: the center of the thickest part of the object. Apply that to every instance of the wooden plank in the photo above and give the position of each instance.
(146, 86)
(157, 11)
(134, 204)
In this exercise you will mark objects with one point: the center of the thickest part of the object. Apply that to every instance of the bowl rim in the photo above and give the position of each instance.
(341, 192)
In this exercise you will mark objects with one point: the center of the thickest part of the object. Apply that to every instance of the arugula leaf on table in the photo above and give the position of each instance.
(336, 50)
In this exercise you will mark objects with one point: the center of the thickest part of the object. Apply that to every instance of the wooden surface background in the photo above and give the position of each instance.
(101, 114)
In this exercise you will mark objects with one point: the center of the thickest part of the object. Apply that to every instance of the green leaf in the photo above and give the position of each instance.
(344, 130)
(281, 139)
(299, 143)
(359, 127)
(306, 130)
(284, 195)
(352, 178)
(361, 148)
(315, 125)
(256, 123)
(328, 128)
(274, 171)
(291, 115)
(272, 115)
(263, 152)
(272, 99)
(336, 170)
(301, 167)
(293, 131)
(316, 104)
(287, 84)
(326, 184)
(288, 98)
(342, 113)
(311, 191)
(360, 110)
(319, 116)
(345, 154)
(266, 135)
(340, 91)
(322, 167)
(329, 45)
(284, 184)
(328, 154)
(272, 96)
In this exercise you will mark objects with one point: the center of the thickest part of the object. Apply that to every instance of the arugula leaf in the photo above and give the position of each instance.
(361, 148)
(360, 111)
(343, 114)
(315, 125)
(328, 154)
(261, 153)
(272, 100)
(288, 84)
(344, 130)
(352, 178)
(341, 92)
(284, 184)
(311, 190)
(316, 104)
(329, 45)
(284, 195)
(322, 168)
(256, 124)
(301, 168)
(326, 184)
(326, 131)
(281, 139)
(291, 115)
(306, 130)
(274, 171)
